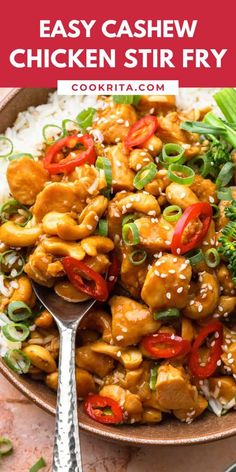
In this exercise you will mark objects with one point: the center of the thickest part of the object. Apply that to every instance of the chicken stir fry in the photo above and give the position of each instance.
(142, 219)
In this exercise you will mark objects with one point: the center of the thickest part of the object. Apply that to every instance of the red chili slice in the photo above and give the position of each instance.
(96, 405)
(203, 372)
(201, 210)
(69, 163)
(177, 345)
(113, 273)
(96, 286)
(141, 131)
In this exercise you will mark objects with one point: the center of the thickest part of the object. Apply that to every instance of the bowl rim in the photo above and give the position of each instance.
(113, 435)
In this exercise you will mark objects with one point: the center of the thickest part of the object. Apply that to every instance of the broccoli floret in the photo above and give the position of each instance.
(230, 211)
(218, 153)
(228, 246)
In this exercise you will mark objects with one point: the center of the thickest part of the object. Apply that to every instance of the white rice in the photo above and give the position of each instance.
(26, 133)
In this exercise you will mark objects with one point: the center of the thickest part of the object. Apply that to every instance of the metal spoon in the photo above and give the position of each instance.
(66, 452)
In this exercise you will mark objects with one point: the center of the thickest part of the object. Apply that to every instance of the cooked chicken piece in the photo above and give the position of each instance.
(223, 388)
(174, 391)
(95, 363)
(167, 283)
(205, 189)
(122, 175)
(169, 131)
(132, 276)
(88, 181)
(26, 178)
(37, 266)
(130, 321)
(158, 104)
(189, 414)
(57, 197)
(158, 184)
(180, 195)
(115, 123)
(155, 235)
(114, 216)
(128, 401)
(229, 357)
(139, 158)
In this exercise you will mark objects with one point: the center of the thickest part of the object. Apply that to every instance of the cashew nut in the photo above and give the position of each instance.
(139, 202)
(130, 358)
(100, 321)
(40, 358)
(97, 244)
(44, 320)
(69, 293)
(57, 247)
(204, 299)
(24, 292)
(14, 235)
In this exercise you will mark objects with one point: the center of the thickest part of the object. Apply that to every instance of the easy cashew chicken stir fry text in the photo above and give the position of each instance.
(135, 207)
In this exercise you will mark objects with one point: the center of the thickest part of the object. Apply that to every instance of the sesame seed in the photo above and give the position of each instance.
(180, 290)
(219, 362)
(172, 271)
(90, 227)
(230, 361)
(200, 308)
(217, 334)
(138, 166)
(211, 199)
(168, 295)
(119, 338)
(178, 250)
(163, 276)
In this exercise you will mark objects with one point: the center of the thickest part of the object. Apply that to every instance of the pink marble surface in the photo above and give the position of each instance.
(31, 431)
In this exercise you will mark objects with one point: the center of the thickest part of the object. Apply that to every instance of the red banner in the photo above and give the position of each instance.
(42, 42)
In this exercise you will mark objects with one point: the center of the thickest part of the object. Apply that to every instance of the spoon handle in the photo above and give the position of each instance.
(66, 454)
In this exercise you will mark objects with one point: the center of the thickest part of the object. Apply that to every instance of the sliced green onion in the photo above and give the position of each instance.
(17, 360)
(13, 207)
(225, 175)
(138, 257)
(172, 152)
(16, 332)
(40, 464)
(69, 125)
(226, 101)
(212, 258)
(6, 146)
(6, 446)
(187, 171)
(145, 175)
(172, 213)
(153, 378)
(11, 264)
(202, 128)
(229, 133)
(164, 315)
(131, 217)
(85, 117)
(102, 163)
(103, 227)
(126, 230)
(18, 155)
(52, 133)
(18, 311)
(195, 256)
(216, 211)
(201, 165)
(225, 194)
(126, 99)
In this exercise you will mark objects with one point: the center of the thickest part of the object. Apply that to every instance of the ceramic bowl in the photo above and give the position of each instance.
(170, 432)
